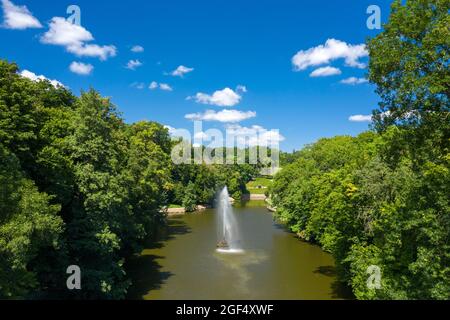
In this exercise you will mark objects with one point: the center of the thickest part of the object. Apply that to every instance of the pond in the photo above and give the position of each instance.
(184, 264)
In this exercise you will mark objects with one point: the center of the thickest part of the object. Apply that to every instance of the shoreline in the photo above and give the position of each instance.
(173, 212)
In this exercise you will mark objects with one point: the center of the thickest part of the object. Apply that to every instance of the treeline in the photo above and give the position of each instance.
(198, 184)
(382, 198)
(79, 186)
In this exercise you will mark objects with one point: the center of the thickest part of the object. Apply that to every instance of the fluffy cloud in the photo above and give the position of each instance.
(255, 135)
(235, 134)
(33, 77)
(325, 72)
(18, 17)
(332, 50)
(137, 49)
(177, 133)
(222, 98)
(354, 81)
(241, 88)
(74, 37)
(154, 85)
(165, 87)
(172, 131)
(361, 118)
(181, 71)
(162, 86)
(81, 68)
(226, 116)
(64, 33)
(133, 64)
(93, 50)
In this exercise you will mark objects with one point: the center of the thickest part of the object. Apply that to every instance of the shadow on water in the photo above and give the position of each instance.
(175, 227)
(329, 271)
(146, 275)
(144, 270)
(339, 290)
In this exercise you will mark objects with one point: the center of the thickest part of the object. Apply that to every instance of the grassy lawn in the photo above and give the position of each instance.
(259, 185)
(175, 206)
(257, 191)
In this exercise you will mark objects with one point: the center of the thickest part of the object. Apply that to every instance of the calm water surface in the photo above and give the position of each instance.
(275, 265)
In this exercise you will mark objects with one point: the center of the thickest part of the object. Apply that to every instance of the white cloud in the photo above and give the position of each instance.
(137, 49)
(222, 98)
(170, 128)
(93, 50)
(354, 81)
(241, 88)
(226, 116)
(181, 71)
(73, 38)
(33, 77)
(361, 118)
(153, 85)
(133, 64)
(173, 132)
(177, 133)
(18, 17)
(162, 86)
(165, 87)
(332, 50)
(81, 68)
(325, 72)
(64, 33)
(254, 135)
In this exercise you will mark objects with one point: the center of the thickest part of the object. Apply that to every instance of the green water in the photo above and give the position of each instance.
(275, 265)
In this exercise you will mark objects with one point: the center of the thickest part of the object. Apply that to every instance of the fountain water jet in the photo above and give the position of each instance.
(230, 241)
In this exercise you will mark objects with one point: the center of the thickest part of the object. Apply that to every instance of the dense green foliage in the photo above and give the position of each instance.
(198, 184)
(78, 186)
(382, 198)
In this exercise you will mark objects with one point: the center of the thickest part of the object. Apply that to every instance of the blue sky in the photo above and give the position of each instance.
(245, 47)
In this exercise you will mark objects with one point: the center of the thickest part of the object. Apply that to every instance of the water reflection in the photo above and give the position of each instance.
(239, 264)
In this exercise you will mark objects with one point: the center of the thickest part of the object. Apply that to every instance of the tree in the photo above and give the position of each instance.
(190, 198)
(409, 65)
(148, 181)
(29, 226)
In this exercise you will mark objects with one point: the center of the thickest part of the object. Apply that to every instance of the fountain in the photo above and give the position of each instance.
(230, 241)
